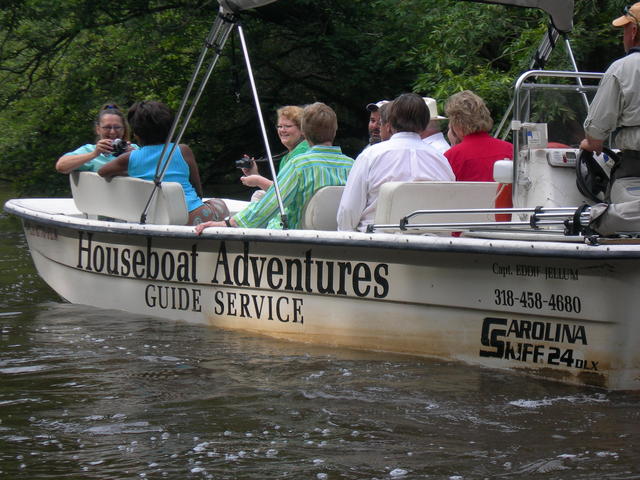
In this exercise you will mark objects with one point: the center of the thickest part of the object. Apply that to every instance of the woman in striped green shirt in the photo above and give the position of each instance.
(322, 165)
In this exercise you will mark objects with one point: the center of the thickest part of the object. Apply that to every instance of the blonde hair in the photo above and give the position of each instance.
(290, 112)
(468, 113)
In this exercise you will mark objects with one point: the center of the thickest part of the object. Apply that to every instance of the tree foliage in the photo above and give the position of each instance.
(60, 60)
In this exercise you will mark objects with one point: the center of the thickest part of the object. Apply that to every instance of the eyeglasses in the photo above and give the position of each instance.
(116, 128)
(627, 12)
(284, 127)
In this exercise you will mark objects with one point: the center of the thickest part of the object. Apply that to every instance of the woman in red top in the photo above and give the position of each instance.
(473, 157)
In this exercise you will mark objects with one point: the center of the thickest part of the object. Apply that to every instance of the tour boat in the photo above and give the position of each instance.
(436, 276)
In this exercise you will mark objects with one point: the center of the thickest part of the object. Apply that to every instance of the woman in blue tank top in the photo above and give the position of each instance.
(151, 122)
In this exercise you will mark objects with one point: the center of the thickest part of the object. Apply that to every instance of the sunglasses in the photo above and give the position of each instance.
(627, 12)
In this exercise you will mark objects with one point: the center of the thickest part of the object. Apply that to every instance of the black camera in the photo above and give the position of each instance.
(244, 162)
(119, 147)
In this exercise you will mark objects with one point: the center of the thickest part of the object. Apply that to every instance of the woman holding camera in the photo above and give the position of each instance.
(110, 125)
(290, 134)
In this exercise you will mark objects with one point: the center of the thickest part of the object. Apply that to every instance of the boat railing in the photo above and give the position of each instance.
(560, 220)
(525, 85)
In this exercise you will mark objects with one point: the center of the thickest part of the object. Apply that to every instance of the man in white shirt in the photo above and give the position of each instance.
(404, 157)
(433, 135)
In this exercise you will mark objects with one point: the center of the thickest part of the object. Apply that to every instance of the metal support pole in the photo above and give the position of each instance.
(215, 40)
(542, 54)
(575, 69)
(283, 215)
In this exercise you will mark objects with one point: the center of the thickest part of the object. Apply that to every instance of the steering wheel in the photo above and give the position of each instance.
(591, 179)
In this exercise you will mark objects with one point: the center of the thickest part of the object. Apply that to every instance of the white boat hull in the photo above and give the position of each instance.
(563, 311)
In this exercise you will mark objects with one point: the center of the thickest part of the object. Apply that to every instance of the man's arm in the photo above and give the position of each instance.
(603, 115)
(591, 144)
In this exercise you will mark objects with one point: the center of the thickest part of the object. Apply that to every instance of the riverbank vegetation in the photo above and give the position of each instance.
(60, 60)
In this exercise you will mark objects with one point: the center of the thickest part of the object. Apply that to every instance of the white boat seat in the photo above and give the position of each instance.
(398, 199)
(321, 211)
(124, 198)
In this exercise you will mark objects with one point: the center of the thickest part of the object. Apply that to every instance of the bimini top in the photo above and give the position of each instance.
(236, 6)
(560, 11)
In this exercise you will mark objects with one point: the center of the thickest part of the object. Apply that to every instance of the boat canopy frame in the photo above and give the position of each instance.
(225, 22)
(560, 11)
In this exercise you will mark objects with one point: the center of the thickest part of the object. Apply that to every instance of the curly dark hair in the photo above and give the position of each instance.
(151, 121)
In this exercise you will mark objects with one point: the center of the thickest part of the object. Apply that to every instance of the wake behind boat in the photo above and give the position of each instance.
(541, 294)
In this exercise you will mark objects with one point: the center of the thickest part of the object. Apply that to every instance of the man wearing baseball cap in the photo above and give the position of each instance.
(374, 121)
(616, 105)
